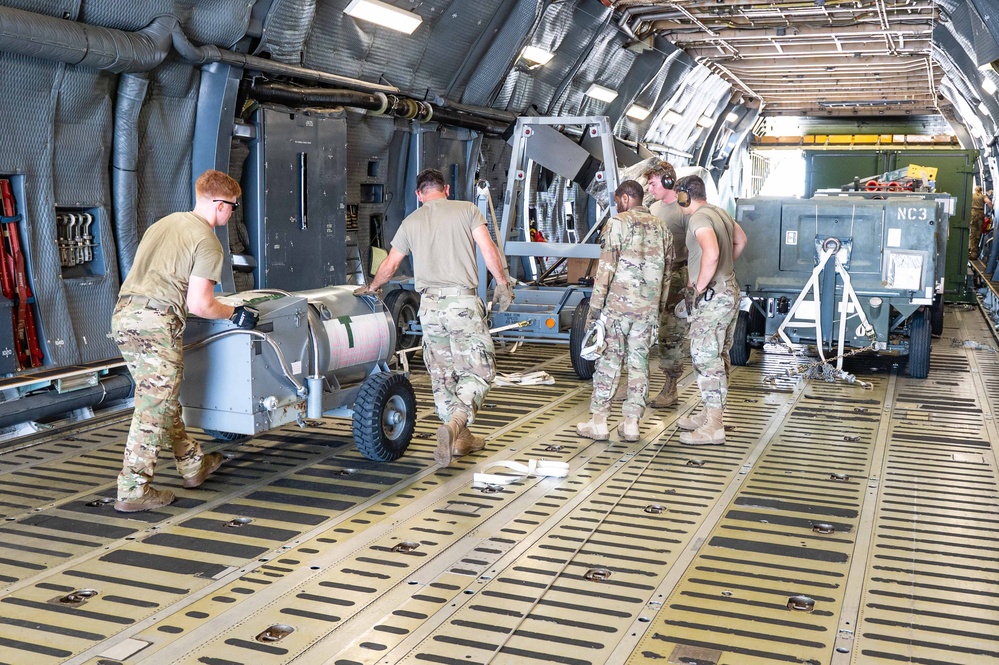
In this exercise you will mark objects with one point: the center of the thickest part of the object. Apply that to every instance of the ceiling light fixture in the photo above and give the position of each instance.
(705, 121)
(600, 92)
(732, 116)
(672, 117)
(983, 109)
(536, 55)
(384, 14)
(638, 113)
(988, 86)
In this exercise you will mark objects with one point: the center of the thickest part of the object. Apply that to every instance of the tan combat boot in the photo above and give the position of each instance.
(711, 433)
(628, 429)
(692, 422)
(667, 397)
(447, 435)
(151, 499)
(209, 463)
(595, 428)
(467, 443)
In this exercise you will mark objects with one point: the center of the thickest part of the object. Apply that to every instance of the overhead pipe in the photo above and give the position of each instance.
(61, 40)
(394, 105)
(50, 404)
(49, 38)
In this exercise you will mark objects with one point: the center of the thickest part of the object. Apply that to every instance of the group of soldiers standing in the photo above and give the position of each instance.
(666, 274)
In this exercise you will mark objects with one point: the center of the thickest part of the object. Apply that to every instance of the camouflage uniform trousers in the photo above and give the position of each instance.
(151, 342)
(458, 352)
(712, 327)
(977, 221)
(628, 341)
(674, 349)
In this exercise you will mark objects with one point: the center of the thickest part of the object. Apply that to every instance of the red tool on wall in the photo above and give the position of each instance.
(14, 284)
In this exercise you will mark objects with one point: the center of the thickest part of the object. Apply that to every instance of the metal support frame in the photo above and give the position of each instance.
(519, 172)
(830, 251)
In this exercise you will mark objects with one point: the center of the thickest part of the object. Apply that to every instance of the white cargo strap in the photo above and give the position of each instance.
(535, 467)
(521, 379)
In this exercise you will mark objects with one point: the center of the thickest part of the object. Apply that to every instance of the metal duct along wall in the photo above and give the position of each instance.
(296, 199)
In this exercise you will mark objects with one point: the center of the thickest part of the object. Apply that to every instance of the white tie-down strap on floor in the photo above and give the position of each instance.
(538, 378)
(535, 467)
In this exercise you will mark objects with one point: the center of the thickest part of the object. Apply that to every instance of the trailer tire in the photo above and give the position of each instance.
(228, 437)
(920, 337)
(757, 320)
(384, 416)
(404, 306)
(739, 353)
(937, 315)
(577, 333)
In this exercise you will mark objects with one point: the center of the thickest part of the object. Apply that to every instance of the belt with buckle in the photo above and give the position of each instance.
(443, 292)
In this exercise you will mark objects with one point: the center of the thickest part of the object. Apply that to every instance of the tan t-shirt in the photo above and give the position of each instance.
(173, 250)
(715, 218)
(439, 237)
(671, 214)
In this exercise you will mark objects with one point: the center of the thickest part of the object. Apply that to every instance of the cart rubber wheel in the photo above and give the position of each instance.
(920, 336)
(384, 416)
(937, 315)
(757, 321)
(228, 437)
(739, 353)
(404, 306)
(577, 333)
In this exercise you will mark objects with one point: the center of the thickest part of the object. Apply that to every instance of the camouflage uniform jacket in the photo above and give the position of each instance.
(635, 263)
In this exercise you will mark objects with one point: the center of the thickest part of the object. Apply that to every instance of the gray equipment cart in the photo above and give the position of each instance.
(314, 353)
(839, 274)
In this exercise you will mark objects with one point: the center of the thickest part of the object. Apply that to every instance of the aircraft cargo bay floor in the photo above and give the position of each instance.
(840, 524)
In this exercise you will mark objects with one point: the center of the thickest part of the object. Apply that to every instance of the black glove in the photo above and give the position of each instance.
(245, 317)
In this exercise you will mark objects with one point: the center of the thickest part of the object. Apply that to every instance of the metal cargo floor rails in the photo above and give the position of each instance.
(838, 525)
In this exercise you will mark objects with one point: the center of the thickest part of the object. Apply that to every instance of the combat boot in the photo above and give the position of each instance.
(467, 443)
(447, 435)
(628, 429)
(711, 433)
(595, 428)
(151, 499)
(209, 463)
(667, 397)
(692, 422)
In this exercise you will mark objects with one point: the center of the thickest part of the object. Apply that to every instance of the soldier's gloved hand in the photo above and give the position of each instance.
(245, 317)
(503, 295)
(363, 291)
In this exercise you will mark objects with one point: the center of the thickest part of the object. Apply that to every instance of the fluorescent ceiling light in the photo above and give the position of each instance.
(384, 15)
(705, 121)
(988, 86)
(983, 109)
(637, 112)
(985, 67)
(732, 117)
(601, 93)
(672, 117)
(536, 55)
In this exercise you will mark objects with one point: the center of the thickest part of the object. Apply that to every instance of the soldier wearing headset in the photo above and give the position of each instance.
(714, 241)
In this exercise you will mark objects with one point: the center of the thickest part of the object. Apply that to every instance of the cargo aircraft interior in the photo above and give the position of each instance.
(845, 510)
